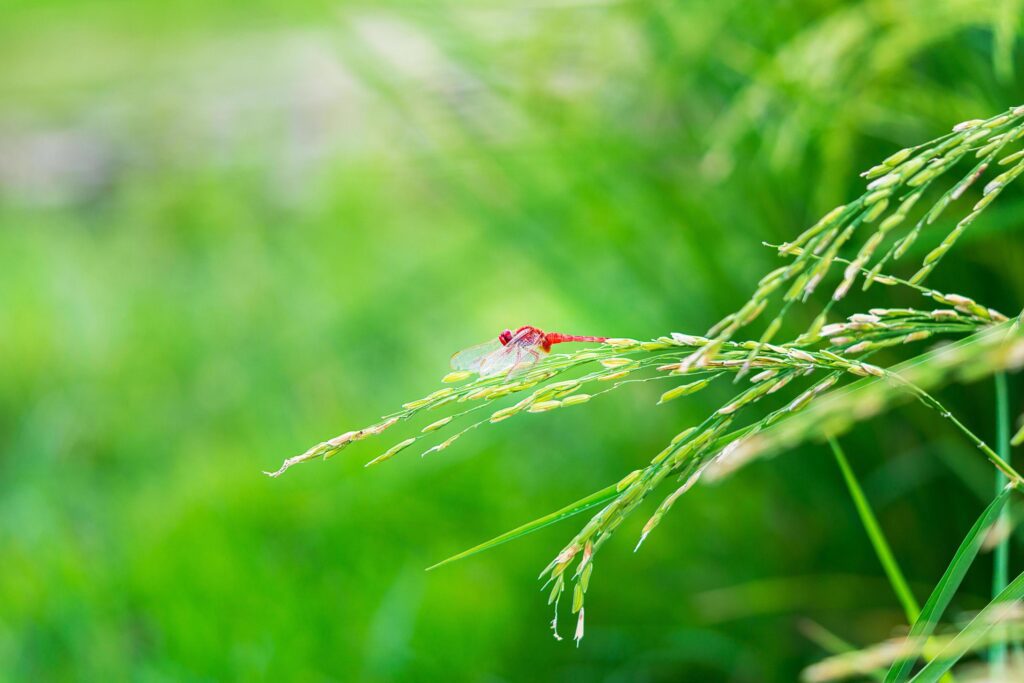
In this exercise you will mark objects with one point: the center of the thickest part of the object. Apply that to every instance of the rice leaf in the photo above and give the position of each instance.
(1001, 556)
(832, 643)
(964, 641)
(874, 532)
(947, 586)
(579, 506)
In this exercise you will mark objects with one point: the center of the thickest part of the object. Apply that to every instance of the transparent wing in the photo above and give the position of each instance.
(471, 358)
(514, 359)
(491, 358)
(524, 361)
(527, 346)
(501, 360)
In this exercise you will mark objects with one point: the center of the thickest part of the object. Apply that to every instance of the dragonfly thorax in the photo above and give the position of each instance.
(512, 352)
(525, 336)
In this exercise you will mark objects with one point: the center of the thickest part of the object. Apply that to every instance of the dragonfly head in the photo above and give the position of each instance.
(505, 337)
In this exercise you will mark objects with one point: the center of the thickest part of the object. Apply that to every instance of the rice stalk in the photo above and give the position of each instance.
(813, 386)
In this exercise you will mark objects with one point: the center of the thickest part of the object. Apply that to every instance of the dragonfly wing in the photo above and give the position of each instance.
(524, 361)
(501, 360)
(491, 358)
(473, 357)
(526, 344)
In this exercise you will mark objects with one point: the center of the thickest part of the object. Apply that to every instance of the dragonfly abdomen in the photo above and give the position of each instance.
(559, 338)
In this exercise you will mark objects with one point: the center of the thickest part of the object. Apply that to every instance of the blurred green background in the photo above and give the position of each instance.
(231, 230)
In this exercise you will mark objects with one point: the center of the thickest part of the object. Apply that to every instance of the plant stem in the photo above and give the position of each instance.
(1015, 478)
(874, 531)
(1001, 558)
(832, 643)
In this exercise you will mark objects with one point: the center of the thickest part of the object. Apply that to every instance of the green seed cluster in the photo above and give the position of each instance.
(895, 186)
(818, 384)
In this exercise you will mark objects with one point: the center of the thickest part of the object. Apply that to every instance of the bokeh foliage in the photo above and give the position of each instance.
(229, 231)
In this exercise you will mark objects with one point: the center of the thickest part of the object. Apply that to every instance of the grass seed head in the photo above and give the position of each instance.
(885, 181)
(1009, 159)
(569, 552)
(779, 383)
(613, 376)
(876, 171)
(628, 479)
(503, 414)
(873, 370)
(478, 394)
(1018, 438)
(683, 435)
(588, 553)
(391, 452)
(381, 426)
(444, 401)
(860, 347)
(456, 376)
(683, 390)
(419, 403)
(898, 158)
(968, 125)
(800, 401)
(556, 589)
(585, 576)
(345, 439)
(544, 406)
(622, 342)
(943, 314)
(434, 426)
(441, 446)
(578, 636)
(797, 354)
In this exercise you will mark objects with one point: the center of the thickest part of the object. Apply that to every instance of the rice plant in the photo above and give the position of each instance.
(791, 385)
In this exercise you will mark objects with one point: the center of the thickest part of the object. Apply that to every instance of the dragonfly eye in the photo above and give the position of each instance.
(505, 337)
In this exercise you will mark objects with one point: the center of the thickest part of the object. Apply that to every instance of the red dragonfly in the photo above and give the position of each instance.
(512, 351)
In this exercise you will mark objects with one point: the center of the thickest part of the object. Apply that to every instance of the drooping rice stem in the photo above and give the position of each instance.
(877, 538)
(1001, 556)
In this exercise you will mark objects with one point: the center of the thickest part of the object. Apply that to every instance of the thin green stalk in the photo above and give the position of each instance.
(874, 531)
(1001, 558)
(579, 506)
(832, 643)
(948, 585)
(987, 619)
(1000, 464)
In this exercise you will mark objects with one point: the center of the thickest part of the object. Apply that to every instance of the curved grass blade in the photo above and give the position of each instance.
(964, 641)
(949, 583)
(1001, 557)
(579, 506)
(874, 532)
(832, 643)
(969, 359)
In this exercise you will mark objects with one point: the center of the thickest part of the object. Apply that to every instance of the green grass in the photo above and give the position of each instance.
(1001, 556)
(877, 538)
(229, 232)
(837, 350)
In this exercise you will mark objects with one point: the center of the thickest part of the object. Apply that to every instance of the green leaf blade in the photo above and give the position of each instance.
(593, 500)
(877, 537)
(950, 582)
